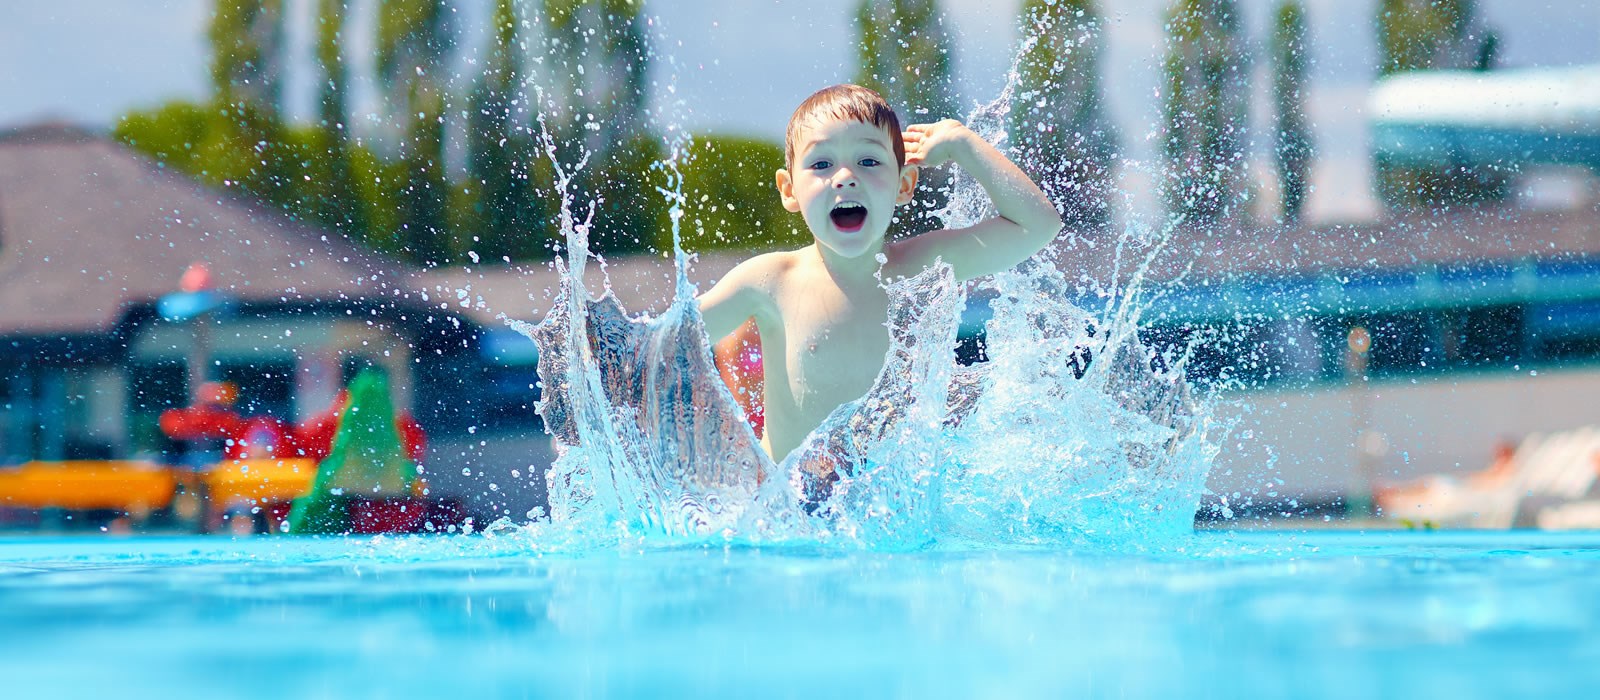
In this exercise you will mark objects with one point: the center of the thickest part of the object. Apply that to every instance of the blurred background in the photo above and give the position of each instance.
(1377, 225)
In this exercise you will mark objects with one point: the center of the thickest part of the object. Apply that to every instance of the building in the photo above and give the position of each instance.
(93, 236)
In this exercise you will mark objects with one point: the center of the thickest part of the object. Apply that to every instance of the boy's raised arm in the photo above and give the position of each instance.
(1027, 221)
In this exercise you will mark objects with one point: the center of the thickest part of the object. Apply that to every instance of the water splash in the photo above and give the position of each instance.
(1075, 432)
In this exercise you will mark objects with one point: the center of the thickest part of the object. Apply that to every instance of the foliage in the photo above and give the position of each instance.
(337, 203)
(1432, 34)
(413, 36)
(595, 101)
(498, 201)
(731, 199)
(906, 56)
(247, 38)
(1293, 147)
(628, 209)
(1059, 130)
(396, 193)
(207, 143)
(599, 56)
(1206, 97)
(1435, 35)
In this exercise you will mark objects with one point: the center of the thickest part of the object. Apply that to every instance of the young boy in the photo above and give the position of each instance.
(820, 310)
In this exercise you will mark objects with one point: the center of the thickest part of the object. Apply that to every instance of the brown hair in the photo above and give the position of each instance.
(842, 102)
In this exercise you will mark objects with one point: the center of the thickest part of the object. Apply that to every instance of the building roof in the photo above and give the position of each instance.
(643, 283)
(1445, 236)
(1208, 266)
(1481, 255)
(87, 225)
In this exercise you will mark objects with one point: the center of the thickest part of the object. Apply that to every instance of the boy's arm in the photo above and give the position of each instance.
(1027, 221)
(739, 295)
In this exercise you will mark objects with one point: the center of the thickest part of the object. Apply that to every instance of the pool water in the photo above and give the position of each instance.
(1221, 615)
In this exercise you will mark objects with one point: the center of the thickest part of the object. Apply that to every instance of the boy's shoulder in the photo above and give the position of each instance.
(766, 270)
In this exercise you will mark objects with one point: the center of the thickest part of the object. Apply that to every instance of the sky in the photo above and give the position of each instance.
(740, 66)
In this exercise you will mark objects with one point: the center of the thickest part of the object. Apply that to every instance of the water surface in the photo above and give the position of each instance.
(1216, 615)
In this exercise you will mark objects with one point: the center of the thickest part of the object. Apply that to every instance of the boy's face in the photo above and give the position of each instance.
(845, 184)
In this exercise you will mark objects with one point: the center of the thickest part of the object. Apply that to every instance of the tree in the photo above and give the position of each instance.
(1206, 95)
(1432, 35)
(596, 102)
(730, 200)
(247, 53)
(1058, 126)
(1293, 147)
(413, 36)
(337, 203)
(246, 74)
(906, 56)
(509, 216)
(1418, 35)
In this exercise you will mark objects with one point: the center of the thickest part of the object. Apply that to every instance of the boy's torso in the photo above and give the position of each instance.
(824, 348)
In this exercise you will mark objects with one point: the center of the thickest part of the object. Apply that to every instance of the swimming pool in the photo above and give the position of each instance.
(1224, 615)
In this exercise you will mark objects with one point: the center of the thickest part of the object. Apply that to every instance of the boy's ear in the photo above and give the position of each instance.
(908, 185)
(786, 191)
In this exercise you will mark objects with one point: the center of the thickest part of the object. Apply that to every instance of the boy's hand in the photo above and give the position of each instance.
(933, 145)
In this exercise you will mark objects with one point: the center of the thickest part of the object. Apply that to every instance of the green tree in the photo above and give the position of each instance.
(1431, 35)
(413, 36)
(907, 57)
(1418, 35)
(247, 53)
(730, 201)
(246, 74)
(1293, 147)
(595, 99)
(1205, 110)
(1058, 126)
(507, 214)
(174, 134)
(337, 202)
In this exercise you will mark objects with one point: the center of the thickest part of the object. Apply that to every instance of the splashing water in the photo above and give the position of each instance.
(1074, 431)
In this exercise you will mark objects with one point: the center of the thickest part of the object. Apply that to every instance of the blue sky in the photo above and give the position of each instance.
(741, 65)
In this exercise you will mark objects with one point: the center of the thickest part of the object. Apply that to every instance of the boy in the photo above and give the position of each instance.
(820, 310)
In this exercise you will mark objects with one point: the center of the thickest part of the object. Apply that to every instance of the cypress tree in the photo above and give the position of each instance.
(1058, 126)
(1293, 147)
(1206, 99)
(413, 36)
(906, 56)
(1431, 35)
(247, 54)
(602, 58)
(599, 62)
(1418, 35)
(339, 203)
(246, 141)
(498, 154)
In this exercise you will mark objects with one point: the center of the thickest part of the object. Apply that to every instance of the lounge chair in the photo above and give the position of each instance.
(1546, 470)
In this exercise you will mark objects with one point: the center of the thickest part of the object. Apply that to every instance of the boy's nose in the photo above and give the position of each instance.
(844, 180)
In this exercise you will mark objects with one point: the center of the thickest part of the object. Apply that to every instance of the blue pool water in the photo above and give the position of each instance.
(1406, 615)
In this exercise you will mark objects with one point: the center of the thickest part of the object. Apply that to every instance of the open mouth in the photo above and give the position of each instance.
(848, 216)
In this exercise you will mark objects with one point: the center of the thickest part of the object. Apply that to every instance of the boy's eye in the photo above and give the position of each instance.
(821, 165)
(869, 162)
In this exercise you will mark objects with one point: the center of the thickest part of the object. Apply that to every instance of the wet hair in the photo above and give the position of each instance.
(844, 102)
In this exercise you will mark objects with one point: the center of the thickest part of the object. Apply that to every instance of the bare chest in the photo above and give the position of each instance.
(834, 347)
